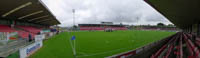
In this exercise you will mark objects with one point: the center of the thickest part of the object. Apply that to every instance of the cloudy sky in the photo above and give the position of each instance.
(132, 12)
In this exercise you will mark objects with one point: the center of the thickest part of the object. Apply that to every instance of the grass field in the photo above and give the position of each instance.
(97, 44)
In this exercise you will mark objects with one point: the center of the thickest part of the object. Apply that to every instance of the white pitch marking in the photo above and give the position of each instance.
(101, 52)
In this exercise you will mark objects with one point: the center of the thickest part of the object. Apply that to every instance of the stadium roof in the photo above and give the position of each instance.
(183, 13)
(27, 10)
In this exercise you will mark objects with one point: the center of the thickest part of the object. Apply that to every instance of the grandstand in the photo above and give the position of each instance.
(184, 44)
(102, 26)
(184, 16)
(20, 20)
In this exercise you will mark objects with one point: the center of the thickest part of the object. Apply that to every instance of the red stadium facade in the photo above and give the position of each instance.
(102, 26)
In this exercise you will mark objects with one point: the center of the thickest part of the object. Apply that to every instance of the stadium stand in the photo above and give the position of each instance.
(30, 29)
(102, 26)
(177, 50)
(90, 28)
(179, 45)
(18, 19)
(6, 28)
(24, 34)
(186, 43)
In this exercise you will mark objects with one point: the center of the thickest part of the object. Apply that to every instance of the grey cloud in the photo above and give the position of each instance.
(95, 11)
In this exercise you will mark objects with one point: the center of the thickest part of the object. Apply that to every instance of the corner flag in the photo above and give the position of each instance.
(73, 38)
(73, 45)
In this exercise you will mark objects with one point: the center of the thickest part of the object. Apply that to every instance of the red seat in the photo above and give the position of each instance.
(25, 34)
(159, 51)
(30, 29)
(6, 28)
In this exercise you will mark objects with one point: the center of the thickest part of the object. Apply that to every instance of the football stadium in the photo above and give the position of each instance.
(28, 29)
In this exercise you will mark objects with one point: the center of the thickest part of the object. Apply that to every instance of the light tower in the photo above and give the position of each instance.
(73, 11)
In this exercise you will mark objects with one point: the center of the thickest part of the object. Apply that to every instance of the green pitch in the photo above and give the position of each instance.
(97, 44)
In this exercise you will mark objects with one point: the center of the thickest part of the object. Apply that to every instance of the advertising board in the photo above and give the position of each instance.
(30, 49)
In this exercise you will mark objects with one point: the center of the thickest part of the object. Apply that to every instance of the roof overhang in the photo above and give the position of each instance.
(27, 10)
(183, 13)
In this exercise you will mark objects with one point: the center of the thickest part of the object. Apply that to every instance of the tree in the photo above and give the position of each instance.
(75, 26)
(160, 24)
(170, 25)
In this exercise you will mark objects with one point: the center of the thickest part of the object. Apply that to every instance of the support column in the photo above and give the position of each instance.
(191, 29)
(198, 29)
